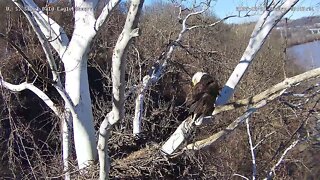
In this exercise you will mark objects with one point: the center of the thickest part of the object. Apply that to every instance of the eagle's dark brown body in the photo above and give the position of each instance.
(202, 97)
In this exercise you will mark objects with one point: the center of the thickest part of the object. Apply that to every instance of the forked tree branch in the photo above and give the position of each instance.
(32, 15)
(46, 29)
(262, 29)
(253, 154)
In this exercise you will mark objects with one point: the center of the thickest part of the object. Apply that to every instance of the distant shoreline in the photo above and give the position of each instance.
(302, 40)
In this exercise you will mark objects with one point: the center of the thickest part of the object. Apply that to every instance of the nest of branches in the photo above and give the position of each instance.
(141, 158)
(149, 162)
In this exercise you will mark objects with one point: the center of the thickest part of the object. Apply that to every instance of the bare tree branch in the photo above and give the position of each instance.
(215, 137)
(242, 176)
(34, 89)
(253, 156)
(265, 137)
(29, 61)
(212, 24)
(46, 29)
(271, 173)
(289, 82)
(28, 12)
(106, 13)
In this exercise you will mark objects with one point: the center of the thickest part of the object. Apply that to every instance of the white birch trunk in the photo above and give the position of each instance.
(47, 29)
(104, 159)
(76, 84)
(77, 87)
(136, 126)
(66, 139)
(118, 84)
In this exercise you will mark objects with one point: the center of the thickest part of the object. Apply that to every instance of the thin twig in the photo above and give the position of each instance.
(240, 176)
(254, 165)
(265, 137)
(273, 169)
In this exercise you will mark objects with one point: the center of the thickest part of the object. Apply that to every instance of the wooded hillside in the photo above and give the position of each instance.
(31, 132)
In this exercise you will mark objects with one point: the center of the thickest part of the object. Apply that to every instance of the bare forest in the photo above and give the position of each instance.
(118, 122)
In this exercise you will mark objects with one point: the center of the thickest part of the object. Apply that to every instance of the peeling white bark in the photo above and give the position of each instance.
(147, 81)
(77, 87)
(175, 140)
(118, 84)
(139, 105)
(262, 29)
(66, 139)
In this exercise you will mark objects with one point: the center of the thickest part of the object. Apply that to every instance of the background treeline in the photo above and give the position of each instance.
(298, 31)
(30, 138)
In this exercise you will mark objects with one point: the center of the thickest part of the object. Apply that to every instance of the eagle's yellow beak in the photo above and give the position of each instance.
(194, 82)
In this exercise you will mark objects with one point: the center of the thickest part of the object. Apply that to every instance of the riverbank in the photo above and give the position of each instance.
(302, 39)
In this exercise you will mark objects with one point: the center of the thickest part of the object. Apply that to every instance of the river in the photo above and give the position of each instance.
(306, 55)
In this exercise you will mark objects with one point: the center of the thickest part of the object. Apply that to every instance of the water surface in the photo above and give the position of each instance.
(306, 55)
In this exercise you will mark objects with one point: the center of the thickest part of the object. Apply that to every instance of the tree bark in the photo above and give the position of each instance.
(129, 31)
(77, 87)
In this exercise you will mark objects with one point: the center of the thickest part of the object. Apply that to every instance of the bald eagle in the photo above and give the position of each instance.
(203, 94)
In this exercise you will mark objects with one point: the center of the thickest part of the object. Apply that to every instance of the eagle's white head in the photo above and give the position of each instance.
(197, 77)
